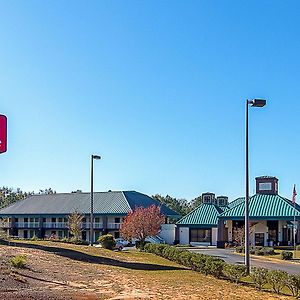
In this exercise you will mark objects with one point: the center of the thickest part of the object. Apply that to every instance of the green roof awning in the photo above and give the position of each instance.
(204, 214)
(268, 207)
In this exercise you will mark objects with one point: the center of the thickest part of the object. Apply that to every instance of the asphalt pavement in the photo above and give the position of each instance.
(229, 256)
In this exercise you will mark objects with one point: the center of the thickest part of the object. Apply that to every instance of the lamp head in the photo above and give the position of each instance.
(257, 102)
(96, 157)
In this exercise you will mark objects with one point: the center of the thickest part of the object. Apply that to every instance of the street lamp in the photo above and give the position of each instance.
(254, 103)
(92, 198)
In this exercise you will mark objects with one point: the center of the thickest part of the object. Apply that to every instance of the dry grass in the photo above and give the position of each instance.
(63, 271)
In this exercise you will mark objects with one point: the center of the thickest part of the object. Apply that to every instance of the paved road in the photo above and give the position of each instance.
(230, 257)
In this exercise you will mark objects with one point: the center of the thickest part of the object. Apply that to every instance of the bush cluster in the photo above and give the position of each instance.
(107, 241)
(209, 265)
(286, 255)
(70, 241)
(205, 264)
(256, 250)
(19, 261)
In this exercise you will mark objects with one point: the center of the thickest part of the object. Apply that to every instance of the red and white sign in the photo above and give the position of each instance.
(3, 134)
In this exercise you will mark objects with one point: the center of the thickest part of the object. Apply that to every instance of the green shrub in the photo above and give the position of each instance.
(259, 277)
(277, 279)
(107, 241)
(160, 248)
(214, 266)
(77, 241)
(286, 255)
(185, 258)
(293, 284)
(198, 262)
(239, 249)
(234, 272)
(141, 245)
(19, 261)
(149, 248)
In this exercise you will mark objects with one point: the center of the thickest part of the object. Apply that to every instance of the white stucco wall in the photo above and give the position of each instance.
(184, 235)
(214, 236)
(260, 227)
(168, 233)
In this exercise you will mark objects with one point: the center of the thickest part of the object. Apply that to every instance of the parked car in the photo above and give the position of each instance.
(121, 243)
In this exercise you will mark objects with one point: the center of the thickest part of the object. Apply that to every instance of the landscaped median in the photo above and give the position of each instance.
(275, 280)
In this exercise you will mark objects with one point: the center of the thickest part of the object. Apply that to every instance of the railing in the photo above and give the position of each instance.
(5, 224)
(55, 225)
(98, 225)
(114, 225)
(27, 224)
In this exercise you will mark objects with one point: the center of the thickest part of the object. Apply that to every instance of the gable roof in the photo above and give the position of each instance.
(105, 203)
(204, 215)
(261, 206)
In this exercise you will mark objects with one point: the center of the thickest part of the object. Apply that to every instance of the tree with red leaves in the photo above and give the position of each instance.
(142, 223)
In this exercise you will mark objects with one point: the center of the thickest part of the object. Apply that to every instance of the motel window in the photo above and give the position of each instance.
(200, 235)
(117, 220)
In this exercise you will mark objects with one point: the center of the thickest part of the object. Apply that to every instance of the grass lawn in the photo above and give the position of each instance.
(84, 272)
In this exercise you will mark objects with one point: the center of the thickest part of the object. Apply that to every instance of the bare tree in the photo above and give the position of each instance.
(75, 224)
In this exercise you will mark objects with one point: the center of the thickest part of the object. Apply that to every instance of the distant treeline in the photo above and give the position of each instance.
(9, 195)
(181, 206)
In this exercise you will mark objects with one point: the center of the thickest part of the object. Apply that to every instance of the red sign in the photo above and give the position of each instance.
(3, 134)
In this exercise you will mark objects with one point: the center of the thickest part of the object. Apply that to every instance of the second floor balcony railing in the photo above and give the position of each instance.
(55, 225)
(96, 225)
(114, 225)
(27, 224)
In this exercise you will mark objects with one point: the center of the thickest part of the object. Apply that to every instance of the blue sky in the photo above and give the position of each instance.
(157, 88)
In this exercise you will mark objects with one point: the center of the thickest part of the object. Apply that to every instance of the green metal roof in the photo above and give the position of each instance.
(204, 214)
(236, 202)
(270, 207)
(105, 203)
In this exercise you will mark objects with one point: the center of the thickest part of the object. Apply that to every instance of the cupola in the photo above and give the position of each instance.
(209, 198)
(222, 201)
(266, 185)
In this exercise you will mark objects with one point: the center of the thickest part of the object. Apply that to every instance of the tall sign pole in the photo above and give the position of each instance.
(3, 134)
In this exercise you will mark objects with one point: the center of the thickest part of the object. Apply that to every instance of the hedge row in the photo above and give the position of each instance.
(217, 267)
(256, 250)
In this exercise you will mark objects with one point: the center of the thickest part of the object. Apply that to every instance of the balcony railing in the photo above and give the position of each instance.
(96, 225)
(27, 224)
(55, 225)
(114, 225)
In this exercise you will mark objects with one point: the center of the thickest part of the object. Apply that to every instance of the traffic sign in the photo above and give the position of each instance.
(3, 134)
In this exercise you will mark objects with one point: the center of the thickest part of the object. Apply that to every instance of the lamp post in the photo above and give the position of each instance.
(254, 103)
(92, 198)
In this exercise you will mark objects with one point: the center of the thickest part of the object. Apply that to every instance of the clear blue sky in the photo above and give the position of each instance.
(157, 88)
